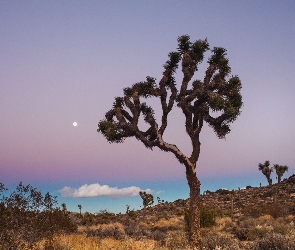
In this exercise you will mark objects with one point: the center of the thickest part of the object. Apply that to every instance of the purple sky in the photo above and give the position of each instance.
(65, 61)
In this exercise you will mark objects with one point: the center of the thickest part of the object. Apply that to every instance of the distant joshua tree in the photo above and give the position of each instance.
(127, 209)
(64, 207)
(266, 170)
(147, 199)
(80, 207)
(280, 170)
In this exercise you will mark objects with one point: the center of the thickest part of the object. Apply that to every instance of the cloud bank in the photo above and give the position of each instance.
(94, 190)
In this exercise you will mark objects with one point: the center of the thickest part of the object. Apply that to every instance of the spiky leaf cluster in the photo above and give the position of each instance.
(111, 131)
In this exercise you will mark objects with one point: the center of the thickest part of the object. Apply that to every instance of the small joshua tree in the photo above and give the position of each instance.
(64, 207)
(80, 208)
(215, 100)
(147, 199)
(266, 170)
(159, 200)
(280, 170)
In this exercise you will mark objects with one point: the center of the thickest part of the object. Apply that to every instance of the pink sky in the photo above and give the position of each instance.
(62, 62)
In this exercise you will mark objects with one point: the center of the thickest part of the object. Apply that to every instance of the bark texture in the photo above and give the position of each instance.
(194, 208)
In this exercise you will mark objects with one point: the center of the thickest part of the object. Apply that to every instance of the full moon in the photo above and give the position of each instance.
(75, 124)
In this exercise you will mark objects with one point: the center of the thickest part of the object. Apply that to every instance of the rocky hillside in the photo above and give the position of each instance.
(242, 201)
(249, 202)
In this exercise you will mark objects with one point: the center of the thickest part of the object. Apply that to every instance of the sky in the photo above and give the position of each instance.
(64, 61)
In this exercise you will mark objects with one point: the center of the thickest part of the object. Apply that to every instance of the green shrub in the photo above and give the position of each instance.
(207, 217)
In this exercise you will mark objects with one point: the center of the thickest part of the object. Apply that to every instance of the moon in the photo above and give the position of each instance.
(75, 124)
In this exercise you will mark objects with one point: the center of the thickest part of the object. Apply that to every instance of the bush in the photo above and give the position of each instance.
(158, 236)
(212, 240)
(275, 210)
(274, 242)
(27, 217)
(283, 229)
(223, 191)
(114, 230)
(207, 216)
(256, 233)
(250, 229)
(176, 240)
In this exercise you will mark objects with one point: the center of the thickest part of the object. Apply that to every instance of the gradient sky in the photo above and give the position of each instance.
(65, 61)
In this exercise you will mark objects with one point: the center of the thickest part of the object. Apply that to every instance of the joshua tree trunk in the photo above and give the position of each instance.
(274, 194)
(269, 180)
(279, 178)
(194, 208)
(232, 208)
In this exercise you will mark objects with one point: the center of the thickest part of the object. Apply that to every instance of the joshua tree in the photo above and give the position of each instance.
(127, 209)
(280, 170)
(266, 170)
(80, 207)
(215, 99)
(147, 199)
(159, 200)
(64, 207)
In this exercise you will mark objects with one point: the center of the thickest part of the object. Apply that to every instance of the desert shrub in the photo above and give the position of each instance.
(223, 191)
(27, 216)
(276, 210)
(250, 229)
(176, 240)
(287, 220)
(241, 233)
(114, 230)
(132, 214)
(132, 229)
(224, 224)
(283, 229)
(104, 217)
(158, 236)
(274, 242)
(265, 220)
(226, 213)
(247, 223)
(207, 216)
(257, 232)
(88, 219)
(212, 240)
(179, 213)
(164, 229)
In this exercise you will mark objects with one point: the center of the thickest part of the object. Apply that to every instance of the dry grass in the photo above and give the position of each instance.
(169, 234)
(222, 223)
(82, 242)
(70, 242)
(173, 222)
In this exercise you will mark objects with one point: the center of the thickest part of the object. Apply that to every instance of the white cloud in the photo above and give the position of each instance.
(94, 190)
